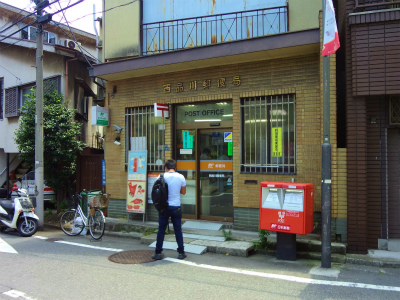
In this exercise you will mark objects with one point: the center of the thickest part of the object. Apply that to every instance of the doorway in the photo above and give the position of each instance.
(205, 158)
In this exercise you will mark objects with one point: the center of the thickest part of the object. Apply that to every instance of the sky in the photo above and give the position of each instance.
(82, 10)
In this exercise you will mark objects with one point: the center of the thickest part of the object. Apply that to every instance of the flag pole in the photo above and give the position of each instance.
(330, 45)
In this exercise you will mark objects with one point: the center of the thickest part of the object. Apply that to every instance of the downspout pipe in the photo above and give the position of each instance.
(97, 49)
(66, 76)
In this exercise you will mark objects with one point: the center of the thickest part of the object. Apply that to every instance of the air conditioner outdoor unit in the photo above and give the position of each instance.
(72, 44)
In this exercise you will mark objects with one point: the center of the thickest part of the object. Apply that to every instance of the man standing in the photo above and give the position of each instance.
(176, 186)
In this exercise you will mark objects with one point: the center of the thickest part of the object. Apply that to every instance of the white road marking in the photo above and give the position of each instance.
(4, 247)
(17, 294)
(289, 278)
(89, 246)
(253, 273)
(82, 245)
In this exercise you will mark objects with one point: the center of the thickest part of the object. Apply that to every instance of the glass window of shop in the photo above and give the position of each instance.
(268, 138)
(146, 132)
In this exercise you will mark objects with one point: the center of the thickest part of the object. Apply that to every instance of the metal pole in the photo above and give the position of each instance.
(39, 178)
(8, 175)
(326, 250)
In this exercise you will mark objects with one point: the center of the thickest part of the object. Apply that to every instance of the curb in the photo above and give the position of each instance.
(242, 245)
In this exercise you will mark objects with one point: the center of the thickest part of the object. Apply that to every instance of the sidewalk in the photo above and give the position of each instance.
(307, 247)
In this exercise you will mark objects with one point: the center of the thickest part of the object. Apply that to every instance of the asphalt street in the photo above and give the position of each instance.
(51, 265)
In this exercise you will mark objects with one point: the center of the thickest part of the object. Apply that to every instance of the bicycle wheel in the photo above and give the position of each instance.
(97, 224)
(71, 222)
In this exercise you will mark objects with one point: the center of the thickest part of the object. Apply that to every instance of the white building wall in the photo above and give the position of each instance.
(18, 68)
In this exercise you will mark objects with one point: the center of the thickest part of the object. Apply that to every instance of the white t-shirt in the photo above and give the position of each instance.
(175, 182)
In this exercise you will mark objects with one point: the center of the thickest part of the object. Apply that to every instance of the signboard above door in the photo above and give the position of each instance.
(206, 112)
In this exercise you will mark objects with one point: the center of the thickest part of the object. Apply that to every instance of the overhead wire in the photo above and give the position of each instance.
(13, 18)
(80, 1)
(103, 11)
(70, 37)
(27, 16)
(80, 48)
(19, 79)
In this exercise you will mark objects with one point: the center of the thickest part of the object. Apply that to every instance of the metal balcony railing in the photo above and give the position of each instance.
(368, 5)
(206, 30)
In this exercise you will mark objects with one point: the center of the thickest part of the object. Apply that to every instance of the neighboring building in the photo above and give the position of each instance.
(369, 93)
(244, 89)
(64, 68)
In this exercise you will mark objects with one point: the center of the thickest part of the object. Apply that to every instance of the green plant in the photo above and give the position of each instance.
(227, 234)
(60, 144)
(48, 212)
(262, 242)
(166, 231)
(148, 231)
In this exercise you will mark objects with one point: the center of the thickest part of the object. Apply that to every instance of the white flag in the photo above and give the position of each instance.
(331, 36)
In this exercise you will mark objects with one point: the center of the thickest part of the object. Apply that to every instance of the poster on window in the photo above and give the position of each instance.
(276, 141)
(137, 182)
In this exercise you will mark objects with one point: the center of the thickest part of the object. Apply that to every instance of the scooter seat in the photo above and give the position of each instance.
(8, 205)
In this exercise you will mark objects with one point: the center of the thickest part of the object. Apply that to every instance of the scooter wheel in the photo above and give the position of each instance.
(27, 228)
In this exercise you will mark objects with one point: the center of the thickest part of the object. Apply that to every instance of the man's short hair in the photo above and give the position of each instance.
(170, 164)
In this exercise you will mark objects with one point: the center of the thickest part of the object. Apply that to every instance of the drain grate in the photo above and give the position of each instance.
(132, 257)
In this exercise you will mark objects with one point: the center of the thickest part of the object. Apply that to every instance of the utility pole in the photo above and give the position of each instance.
(39, 177)
(326, 249)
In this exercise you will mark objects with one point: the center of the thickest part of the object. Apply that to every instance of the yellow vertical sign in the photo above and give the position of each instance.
(277, 142)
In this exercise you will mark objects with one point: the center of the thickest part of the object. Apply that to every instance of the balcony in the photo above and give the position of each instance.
(201, 31)
(371, 5)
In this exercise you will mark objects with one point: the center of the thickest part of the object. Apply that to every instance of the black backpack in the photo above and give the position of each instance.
(159, 194)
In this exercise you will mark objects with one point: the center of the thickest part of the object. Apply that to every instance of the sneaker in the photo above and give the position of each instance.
(156, 256)
(182, 256)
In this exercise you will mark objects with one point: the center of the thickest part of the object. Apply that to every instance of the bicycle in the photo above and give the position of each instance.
(73, 221)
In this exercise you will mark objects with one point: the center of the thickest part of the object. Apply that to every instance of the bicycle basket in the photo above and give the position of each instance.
(100, 201)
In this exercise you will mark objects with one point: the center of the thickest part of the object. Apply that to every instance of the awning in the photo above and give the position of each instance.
(261, 48)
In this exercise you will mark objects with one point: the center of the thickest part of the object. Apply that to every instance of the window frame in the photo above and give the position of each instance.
(29, 33)
(257, 153)
(1, 98)
(154, 141)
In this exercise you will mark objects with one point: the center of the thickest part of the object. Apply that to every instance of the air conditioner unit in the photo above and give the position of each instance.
(72, 44)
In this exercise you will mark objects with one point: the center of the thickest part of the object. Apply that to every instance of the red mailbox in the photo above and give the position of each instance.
(287, 207)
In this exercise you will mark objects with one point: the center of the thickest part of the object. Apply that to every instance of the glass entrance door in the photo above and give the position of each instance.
(215, 175)
(204, 158)
(186, 165)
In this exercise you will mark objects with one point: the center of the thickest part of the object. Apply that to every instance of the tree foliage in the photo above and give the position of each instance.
(60, 146)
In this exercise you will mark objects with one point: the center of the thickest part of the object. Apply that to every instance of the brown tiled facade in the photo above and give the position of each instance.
(299, 75)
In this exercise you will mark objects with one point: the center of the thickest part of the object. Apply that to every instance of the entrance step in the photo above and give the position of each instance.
(202, 225)
(394, 245)
(204, 237)
(189, 248)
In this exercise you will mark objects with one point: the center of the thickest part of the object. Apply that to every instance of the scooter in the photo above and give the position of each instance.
(18, 213)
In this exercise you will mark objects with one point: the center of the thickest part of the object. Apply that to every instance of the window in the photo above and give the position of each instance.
(24, 94)
(14, 97)
(30, 33)
(82, 103)
(394, 111)
(268, 134)
(146, 132)
(1, 97)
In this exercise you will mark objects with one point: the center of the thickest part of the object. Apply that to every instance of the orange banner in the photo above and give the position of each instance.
(211, 165)
(216, 165)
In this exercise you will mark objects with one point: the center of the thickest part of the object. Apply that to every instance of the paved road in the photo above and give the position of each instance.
(53, 266)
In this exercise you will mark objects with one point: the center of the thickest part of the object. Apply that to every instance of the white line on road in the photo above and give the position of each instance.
(89, 246)
(289, 278)
(82, 245)
(17, 294)
(4, 247)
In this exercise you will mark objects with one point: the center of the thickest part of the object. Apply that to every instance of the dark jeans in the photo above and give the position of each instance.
(175, 212)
